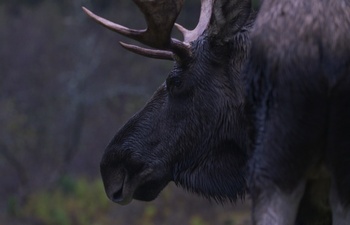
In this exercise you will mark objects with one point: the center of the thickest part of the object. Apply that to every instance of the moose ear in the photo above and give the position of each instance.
(228, 17)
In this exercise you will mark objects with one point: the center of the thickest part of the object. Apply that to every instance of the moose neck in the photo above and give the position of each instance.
(219, 173)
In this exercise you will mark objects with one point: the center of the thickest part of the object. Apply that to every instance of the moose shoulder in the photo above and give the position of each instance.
(196, 130)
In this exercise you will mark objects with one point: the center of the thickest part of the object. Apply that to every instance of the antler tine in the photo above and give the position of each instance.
(134, 34)
(160, 16)
(204, 19)
(151, 53)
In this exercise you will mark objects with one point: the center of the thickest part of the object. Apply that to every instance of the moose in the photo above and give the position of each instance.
(255, 103)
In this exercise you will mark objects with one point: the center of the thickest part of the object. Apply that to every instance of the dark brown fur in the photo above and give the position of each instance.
(298, 82)
(194, 131)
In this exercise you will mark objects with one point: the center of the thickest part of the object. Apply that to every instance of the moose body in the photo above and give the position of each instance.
(298, 83)
(265, 111)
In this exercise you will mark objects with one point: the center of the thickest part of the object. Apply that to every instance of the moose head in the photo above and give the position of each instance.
(193, 130)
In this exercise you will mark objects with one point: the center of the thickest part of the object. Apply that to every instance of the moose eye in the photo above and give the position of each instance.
(178, 86)
(174, 82)
(177, 82)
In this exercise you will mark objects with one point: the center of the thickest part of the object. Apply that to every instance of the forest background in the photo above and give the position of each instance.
(66, 87)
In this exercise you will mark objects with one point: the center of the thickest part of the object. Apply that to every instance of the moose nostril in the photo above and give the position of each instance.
(117, 196)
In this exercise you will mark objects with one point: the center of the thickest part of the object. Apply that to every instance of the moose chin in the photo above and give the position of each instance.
(256, 103)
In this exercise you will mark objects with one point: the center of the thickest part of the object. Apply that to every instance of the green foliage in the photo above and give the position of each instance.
(197, 220)
(73, 202)
(12, 206)
(149, 215)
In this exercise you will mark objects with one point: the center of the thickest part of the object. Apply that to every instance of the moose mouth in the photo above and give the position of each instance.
(122, 188)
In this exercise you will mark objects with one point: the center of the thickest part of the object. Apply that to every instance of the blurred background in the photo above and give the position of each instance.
(66, 87)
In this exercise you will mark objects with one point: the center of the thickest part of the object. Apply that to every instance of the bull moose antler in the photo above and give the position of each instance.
(160, 16)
